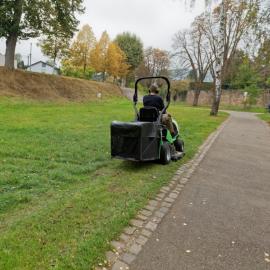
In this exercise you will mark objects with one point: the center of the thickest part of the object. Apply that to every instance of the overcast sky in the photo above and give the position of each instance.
(154, 21)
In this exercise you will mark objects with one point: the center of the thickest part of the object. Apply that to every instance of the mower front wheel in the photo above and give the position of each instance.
(165, 153)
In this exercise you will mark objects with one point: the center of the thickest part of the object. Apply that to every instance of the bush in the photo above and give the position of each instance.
(78, 72)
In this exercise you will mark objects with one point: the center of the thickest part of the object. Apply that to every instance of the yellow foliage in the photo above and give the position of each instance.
(99, 53)
(116, 61)
(79, 53)
(107, 57)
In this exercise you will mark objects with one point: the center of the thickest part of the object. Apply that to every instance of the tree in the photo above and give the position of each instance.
(232, 71)
(98, 56)
(55, 46)
(247, 79)
(22, 19)
(156, 63)
(116, 61)
(234, 18)
(262, 61)
(179, 89)
(231, 19)
(132, 46)
(219, 53)
(79, 52)
(193, 50)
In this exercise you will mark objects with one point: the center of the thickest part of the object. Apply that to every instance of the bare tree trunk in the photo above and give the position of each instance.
(13, 35)
(219, 61)
(196, 97)
(10, 51)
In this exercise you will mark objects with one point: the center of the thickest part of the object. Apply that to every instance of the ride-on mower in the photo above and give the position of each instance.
(146, 138)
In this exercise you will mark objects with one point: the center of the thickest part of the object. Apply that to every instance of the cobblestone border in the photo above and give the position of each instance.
(134, 237)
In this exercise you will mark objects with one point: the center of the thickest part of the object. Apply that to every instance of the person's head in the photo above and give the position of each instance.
(153, 89)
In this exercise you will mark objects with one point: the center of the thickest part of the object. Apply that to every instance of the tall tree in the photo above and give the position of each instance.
(230, 21)
(55, 42)
(262, 61)
(24, 19)
(193, 51)
(98, 56)
(156, 63)
(116, 61)
(132, 46)
(55, 45)
(79, 53)
(234, 19)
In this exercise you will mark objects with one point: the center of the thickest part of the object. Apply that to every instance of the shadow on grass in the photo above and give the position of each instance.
(132, 166)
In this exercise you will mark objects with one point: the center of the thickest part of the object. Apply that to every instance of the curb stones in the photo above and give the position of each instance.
(133, 239)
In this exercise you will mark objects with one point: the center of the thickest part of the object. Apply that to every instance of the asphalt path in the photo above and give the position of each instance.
(221, 220)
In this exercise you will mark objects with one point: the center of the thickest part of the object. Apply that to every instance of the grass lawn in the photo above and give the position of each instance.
(63, 199)
(265, 117)
(242, 109)
(238, 108)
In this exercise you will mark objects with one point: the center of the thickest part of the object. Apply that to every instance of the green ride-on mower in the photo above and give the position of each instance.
(146, 138)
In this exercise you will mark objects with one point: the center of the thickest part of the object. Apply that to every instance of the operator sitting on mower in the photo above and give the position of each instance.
(154, 100)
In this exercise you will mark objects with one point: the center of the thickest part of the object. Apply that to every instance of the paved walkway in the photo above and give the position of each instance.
(221, 220)
(129, 92)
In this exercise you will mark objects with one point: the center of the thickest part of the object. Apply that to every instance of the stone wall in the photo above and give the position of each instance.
(229, 97)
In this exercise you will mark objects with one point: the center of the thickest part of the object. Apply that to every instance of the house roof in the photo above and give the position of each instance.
(43, 63)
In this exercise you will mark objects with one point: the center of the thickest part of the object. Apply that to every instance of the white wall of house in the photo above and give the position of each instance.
(42, 67)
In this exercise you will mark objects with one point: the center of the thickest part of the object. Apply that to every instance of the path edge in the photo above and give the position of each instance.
(134, 237)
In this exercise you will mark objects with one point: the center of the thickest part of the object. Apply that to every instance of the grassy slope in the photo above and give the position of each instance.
(45, 87)
(62, 197)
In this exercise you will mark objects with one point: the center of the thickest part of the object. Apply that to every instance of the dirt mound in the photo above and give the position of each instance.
(38, 86)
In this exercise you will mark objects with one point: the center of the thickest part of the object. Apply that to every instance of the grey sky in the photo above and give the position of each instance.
(154, 21)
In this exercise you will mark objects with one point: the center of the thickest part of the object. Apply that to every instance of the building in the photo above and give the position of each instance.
(42, 67)
(2, 61)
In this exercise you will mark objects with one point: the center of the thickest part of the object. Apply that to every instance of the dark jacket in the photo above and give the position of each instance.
(153, 101)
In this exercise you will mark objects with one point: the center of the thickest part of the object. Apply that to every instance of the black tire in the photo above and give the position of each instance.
(165, 153)
(179, 145)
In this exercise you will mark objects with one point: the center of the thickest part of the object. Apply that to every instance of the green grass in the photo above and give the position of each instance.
(242, 109)
(265, 117)
(238, 108)
(63, 199)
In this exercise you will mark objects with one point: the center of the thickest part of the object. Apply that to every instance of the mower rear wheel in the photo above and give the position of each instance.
(165, 153)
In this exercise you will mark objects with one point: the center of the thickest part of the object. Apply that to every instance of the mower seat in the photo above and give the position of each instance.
(148, 114)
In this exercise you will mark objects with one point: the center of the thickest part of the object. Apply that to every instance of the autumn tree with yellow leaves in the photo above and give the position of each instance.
(98, 56)
(86, 56)
(107, 58)
(116, 61)
(79, 53)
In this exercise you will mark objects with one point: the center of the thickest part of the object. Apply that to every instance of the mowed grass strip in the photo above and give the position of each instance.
(265, 117)
(62, 198)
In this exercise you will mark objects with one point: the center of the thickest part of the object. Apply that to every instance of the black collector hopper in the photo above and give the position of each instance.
(138, 141)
